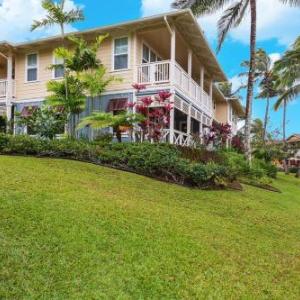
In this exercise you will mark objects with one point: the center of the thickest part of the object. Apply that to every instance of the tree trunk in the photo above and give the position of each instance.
(266, 120)
(285, 149)
(250, 81)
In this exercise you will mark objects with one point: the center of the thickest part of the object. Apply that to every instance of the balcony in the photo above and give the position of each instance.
(4, 88)
(159, 73)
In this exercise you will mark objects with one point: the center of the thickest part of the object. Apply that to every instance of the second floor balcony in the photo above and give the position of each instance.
(4, 86)
(160, 73)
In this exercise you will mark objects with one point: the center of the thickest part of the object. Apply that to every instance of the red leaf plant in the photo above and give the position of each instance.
(156, 110)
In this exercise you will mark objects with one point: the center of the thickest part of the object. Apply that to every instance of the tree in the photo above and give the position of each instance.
(231, 18)
(73, 104)
(56, 15)
(267, 82)
(84, 72)
(102, 120)
(288, 71)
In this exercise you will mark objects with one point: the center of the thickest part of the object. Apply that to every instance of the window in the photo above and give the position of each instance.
(149, 56)
(58, 71)
(32, 67)
(121, 54)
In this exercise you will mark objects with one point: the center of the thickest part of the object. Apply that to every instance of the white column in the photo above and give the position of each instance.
(210, 94)
(172, 119)
(189, 121)
(173, 55)
(9, 92)
(202, 72)
(134, 57)
(190, 66)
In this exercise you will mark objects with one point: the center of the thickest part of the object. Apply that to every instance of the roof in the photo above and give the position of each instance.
(295, 138)
(184, 21)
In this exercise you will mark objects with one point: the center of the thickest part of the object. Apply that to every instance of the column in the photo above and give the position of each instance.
(173, 55)
(172, 120)
(190, 67)
(202, 72)
(210, 94)
(189, 123)
(9, 92)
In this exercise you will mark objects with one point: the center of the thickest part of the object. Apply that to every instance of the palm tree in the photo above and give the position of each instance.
(56, 15)
(264, 73)
(232, 18)
(288, 71)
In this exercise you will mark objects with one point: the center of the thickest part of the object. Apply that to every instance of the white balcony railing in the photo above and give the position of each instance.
(4, 88)
(160, 72)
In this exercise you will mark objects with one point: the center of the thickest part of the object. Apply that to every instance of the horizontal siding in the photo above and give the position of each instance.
(38, 89)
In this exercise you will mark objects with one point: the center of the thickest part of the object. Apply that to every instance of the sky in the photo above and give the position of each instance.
(278, 27)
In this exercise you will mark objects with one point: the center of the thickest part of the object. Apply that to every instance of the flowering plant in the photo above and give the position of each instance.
(156, 110)
(217, 135)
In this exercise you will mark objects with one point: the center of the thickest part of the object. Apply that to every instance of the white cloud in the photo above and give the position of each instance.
(274, 57)
(153, 7)
(275, 20)
(16, 17)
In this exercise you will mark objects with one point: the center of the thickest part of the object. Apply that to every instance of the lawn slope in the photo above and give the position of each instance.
(70, 230)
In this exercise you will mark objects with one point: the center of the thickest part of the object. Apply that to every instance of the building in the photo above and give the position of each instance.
(165, 52)
(294, 145)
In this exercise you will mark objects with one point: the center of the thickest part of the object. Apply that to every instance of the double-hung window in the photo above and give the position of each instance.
(121, 53)
(149, 56)
(32, 67)
(58, 71)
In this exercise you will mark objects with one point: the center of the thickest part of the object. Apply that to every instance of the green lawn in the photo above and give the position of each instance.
(70, 230)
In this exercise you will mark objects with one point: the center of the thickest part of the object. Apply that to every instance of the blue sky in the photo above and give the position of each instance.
(278, 26)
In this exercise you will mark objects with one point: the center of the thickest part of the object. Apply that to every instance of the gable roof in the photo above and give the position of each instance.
(295, 138)
(184, 21)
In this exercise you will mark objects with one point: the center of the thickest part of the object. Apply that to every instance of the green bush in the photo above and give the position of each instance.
(162, 161)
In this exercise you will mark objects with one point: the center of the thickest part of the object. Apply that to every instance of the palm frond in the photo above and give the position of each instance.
(290, 94)
(291, 2)
(231, 18)
(97, 120)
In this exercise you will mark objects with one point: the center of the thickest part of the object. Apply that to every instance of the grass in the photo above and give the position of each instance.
(70, 230)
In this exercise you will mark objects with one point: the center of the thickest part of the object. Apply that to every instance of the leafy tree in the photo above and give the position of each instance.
(102, 120)
(56, 15)
(44, 122)
(231, 18)
(288, 72)
(73, 104)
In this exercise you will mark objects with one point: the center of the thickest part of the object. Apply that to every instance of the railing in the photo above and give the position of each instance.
(4, 88)
(160, 72)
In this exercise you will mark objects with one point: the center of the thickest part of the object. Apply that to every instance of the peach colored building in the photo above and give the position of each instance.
(164, 52)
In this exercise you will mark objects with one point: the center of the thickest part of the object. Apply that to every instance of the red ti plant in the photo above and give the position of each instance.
(156, 110)
(217, 135)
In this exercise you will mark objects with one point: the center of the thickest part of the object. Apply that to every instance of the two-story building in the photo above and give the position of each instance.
(164, 52)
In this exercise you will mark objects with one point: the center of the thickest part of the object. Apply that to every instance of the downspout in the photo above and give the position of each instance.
(168, 25)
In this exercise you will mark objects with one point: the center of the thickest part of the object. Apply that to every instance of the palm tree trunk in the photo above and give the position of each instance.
(266, 120)
(285, 161)
(250, 81)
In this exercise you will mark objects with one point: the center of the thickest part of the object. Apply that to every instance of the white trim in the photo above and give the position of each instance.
(128, 53)
(53, 70)
(144, 43)
(37, 67)
(28, 100)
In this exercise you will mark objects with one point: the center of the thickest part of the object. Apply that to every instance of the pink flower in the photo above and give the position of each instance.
(139, 87)
(164, 95)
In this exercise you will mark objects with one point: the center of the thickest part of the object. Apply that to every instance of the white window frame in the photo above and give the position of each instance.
(113, 53)
(150, 49)
(30, 67)
(53, 71)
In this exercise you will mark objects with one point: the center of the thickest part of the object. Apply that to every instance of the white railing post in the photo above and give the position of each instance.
(201, 84)
(189, 124)
(173, 55)
(9, 90)
(210, 95)
(172, 120)
(190, 67)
